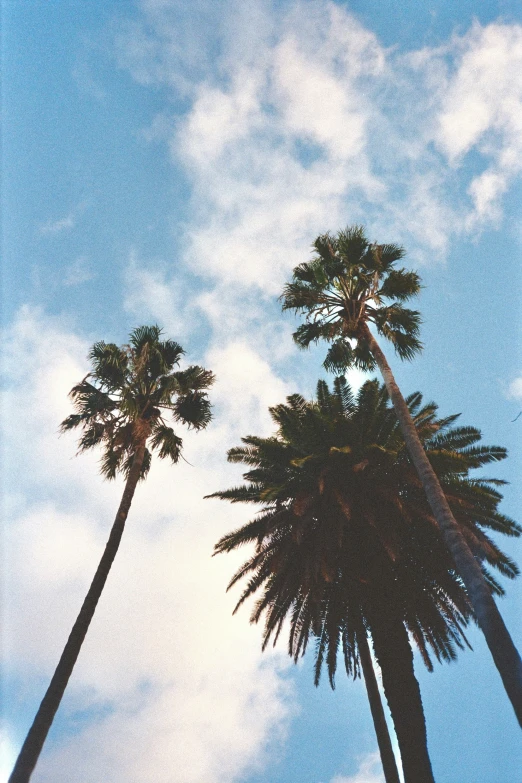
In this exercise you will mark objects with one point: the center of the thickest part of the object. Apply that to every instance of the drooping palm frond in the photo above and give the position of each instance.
(345, 529)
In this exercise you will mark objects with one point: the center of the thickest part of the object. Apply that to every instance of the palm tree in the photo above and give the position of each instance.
(346, 545)
(121, 406)
(348, 284)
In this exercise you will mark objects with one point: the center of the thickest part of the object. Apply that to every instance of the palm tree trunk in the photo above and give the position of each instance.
(389, 764)
(505, 654)
(395, 658)
(35, 739)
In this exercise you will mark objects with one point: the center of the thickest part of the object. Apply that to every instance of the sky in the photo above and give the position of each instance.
(169, 162)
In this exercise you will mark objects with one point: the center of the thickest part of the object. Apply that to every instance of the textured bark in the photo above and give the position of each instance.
(395, 658)
(389, 764)
(505, 655)
(35, 739)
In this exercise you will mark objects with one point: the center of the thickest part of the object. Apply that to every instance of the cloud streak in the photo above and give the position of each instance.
(57, 226)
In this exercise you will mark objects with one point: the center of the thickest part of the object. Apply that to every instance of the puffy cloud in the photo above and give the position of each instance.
(43, 358)
(219, 119)
(482, 109)
(484, 93)
(271, 152)
(192, 686)
(246, 386)
(325, 127)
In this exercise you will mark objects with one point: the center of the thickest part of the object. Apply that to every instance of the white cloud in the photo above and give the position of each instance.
(515, 389)
(65, 223)
(42, 360)
(192, 686)
(56, 226)
(246, 386)
(78, 273)
(220, 118)
(370, 771)
(259, 194)
(316, 66)
(151, 293)
(485, 92)
(176, 688)
(7, 755)
(482, 109)
(325, 127)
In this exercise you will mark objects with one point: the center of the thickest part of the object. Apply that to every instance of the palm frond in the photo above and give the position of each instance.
(312, 332)
(400, 285)
(340, 357)
(168, 444)
(193, 409)
(194, 378)
(142, 335)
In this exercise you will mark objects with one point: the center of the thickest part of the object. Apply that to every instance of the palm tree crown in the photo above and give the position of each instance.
(341, 502)
(347, 283)
(346, 544)
(127, 395)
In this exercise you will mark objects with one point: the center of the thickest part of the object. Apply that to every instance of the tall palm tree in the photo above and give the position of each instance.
(121, 405)
(349, 284)
(346, 544)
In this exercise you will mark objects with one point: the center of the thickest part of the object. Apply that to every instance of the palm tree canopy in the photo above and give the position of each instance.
(347, 283)
(129, 393)
(345, 529)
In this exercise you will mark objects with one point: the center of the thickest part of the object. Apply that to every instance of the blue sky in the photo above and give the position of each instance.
(169, 162)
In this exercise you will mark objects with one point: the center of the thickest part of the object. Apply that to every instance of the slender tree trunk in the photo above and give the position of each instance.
(389, 764)
(395, 658)
(35, 739)
(499, 641)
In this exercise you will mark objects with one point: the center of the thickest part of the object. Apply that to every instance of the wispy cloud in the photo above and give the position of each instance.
(515, 389)
(152, 292)
(78, 272)
(66, 223)
(57, 226)
(370, 771)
